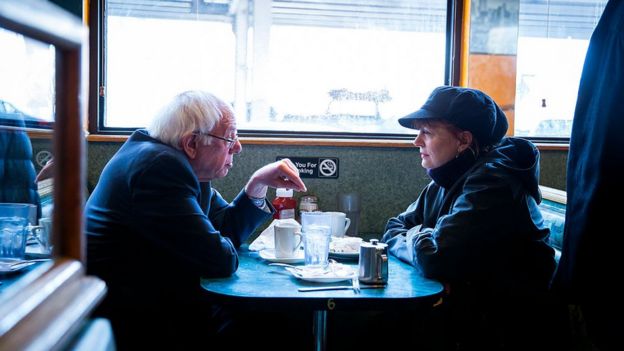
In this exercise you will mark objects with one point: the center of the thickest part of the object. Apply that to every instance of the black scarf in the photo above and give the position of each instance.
(446, 175)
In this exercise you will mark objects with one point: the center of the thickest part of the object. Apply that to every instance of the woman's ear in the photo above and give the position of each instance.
(465, 140)
(189, 145)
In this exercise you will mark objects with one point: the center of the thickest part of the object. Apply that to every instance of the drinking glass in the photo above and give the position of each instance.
(319, 219)
(316, 245)
(13, 229)
(349, 203)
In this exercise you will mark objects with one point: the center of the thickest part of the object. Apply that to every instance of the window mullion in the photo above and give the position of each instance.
(241, 29)
(262, 20)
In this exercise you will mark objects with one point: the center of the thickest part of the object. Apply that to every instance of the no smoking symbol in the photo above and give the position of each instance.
(328, 168)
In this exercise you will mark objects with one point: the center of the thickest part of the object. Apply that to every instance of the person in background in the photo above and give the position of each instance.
(592, 240)
(17, 172)
(155, 225)
(477, 227)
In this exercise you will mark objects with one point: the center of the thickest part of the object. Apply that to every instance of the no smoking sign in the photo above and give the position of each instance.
(315, 167)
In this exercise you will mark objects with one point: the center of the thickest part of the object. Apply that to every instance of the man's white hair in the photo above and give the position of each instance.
(188, 112)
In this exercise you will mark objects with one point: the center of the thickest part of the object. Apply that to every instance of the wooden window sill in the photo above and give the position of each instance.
(316, 142)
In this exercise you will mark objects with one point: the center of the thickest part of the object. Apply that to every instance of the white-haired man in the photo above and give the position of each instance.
(155, 225)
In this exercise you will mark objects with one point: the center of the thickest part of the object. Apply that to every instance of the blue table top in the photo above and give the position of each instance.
(256, 283)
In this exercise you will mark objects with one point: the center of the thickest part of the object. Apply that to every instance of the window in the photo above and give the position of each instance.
(552, 42)
(323, 66)
(342, 66)
(26, 81)
(528, 55)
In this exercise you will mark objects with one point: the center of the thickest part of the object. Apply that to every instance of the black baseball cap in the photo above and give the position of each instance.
(467, 109)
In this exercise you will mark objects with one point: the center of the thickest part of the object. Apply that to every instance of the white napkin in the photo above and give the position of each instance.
(266, 239)
(333, 270)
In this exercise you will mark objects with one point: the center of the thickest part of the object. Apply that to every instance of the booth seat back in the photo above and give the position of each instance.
(554, 218)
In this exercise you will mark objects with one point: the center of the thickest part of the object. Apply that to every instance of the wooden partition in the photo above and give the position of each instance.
(45, 308)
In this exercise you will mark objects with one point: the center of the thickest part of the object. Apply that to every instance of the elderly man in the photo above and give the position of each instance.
(155, 225)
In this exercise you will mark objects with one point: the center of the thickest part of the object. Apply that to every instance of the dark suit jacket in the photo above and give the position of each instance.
(153, 229)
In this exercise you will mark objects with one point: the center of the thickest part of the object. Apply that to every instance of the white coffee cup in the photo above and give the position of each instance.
(43, 233)
(339, 223)
(287, 240)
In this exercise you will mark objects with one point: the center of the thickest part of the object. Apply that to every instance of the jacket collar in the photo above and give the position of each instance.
(447, 174)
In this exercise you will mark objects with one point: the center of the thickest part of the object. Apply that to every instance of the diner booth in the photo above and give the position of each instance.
(50, 303)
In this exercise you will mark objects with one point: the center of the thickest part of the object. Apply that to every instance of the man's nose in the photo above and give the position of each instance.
(237, 147)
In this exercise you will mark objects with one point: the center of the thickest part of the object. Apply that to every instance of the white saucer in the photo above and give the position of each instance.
(269, 255)
(8, 265)
(335, 272)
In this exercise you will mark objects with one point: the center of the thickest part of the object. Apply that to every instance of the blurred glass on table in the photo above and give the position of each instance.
(349, 203)
(13, 229)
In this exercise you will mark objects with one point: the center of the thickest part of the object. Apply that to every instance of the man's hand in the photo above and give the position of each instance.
(280, 174)
(46, 172)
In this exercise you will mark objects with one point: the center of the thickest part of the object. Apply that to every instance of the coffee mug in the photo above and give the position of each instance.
(339, 223)
(287, 240)
(42, 233)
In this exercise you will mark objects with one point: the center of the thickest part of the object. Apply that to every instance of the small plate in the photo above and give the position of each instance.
(335, 272)
(8, 265)
(269, 255)
(345, 247)
(344, 255)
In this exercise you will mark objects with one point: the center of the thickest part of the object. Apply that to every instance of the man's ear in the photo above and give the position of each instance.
(465, 140)
(189, 144)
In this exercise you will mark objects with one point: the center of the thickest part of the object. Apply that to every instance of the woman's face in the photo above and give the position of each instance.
(438, 143)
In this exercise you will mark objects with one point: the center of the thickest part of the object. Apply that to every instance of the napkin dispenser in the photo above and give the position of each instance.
(373, 265)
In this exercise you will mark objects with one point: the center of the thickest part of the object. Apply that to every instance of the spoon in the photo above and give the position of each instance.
(22, 262)
(285, 265)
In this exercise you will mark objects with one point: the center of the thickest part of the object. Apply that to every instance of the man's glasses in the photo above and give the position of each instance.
(230, 141)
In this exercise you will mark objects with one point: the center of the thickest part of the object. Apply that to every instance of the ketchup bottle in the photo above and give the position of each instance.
(284, 204)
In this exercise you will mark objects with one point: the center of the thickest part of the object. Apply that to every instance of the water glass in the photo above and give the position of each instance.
(319, 219)
(13, 230)
(316, 245)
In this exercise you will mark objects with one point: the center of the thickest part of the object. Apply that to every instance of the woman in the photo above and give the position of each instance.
(477, 226)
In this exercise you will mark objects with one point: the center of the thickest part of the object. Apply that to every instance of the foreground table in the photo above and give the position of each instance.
(256, 284)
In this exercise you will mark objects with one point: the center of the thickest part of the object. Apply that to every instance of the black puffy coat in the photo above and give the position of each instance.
(485, 230)
(17, 172)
